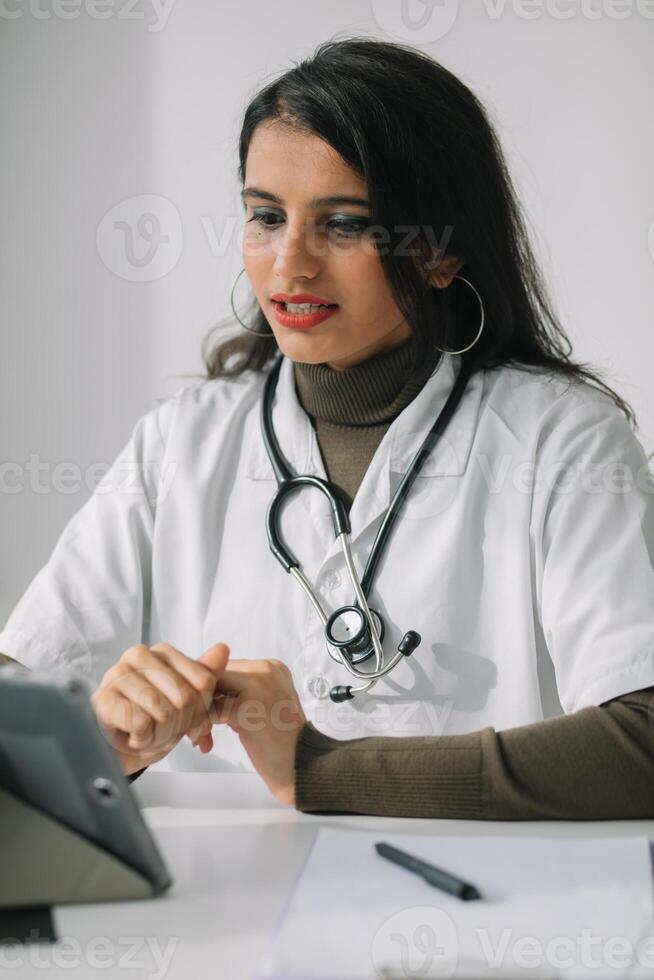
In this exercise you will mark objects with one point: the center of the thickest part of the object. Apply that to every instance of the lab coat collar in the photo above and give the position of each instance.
(401, 441)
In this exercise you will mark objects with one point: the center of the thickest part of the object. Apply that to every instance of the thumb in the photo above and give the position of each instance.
(215, 658)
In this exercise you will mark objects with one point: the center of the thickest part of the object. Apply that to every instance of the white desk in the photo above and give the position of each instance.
(233, 853)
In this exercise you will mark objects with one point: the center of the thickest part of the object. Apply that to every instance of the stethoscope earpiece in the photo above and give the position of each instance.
(409, 642)
(342, 692)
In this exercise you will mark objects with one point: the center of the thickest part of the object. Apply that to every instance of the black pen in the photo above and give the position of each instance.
(432, 875)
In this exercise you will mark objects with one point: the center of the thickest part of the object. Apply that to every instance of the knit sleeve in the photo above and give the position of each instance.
(593, 764)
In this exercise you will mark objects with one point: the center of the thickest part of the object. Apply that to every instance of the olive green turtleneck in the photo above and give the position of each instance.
(352, 409)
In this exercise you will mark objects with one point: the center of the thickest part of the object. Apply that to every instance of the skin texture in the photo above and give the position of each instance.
(152, 696)
(296, 250)
(264, 709)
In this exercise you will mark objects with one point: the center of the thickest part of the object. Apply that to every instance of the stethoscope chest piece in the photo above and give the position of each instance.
(352, 633)
(348, 630)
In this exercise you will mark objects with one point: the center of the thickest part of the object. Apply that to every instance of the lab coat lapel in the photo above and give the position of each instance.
(405, 436)
(392, 458)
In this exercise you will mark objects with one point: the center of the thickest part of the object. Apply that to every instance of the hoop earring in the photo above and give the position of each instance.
(481, 325)
(259, 333)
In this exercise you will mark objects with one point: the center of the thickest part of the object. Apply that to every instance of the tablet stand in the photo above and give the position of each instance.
(44, 862)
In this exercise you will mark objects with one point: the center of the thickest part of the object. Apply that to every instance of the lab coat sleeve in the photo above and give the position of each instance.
(91, 600)
(593, 537)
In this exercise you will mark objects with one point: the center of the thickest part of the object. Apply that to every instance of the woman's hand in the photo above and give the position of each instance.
(262, 706)
(153, 696)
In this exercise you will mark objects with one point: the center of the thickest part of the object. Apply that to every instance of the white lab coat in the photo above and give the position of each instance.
(532, 596)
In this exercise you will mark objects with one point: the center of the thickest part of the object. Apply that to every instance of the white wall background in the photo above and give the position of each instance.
(148, 101)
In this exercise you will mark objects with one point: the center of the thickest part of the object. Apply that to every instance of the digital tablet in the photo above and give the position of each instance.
(55, 756)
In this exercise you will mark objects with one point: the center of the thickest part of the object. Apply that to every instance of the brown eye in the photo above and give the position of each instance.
(262, 216)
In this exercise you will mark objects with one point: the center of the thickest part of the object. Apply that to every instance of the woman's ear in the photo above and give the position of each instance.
(439, 272)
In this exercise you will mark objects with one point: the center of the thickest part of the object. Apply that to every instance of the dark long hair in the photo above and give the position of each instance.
(428, 153)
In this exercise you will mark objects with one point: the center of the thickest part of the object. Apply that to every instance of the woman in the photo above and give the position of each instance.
(373, 185)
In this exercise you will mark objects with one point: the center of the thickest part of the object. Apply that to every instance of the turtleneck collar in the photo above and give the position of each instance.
(370, 393)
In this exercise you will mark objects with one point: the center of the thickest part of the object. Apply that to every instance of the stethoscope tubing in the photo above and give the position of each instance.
(289, 482)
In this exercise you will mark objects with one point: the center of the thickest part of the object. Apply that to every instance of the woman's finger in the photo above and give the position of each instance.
(118, 719)
(203, 728)
(199, 676)
(205, 742)
(118, 713)
(242, 674)
(166, 720)
(182, 695)
(225, 710)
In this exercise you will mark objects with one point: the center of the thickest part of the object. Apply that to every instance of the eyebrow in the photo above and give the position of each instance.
(315, 203)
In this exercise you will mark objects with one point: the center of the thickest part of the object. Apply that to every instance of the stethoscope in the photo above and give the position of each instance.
(353, 633)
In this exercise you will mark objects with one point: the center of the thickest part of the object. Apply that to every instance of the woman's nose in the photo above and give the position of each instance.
(296, 252)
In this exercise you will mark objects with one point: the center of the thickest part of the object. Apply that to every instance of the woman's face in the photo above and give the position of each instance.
(294, 245)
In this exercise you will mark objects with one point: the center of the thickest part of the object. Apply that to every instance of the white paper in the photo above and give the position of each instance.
(550, 907)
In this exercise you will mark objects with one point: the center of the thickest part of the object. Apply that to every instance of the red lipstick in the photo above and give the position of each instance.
(301, 321)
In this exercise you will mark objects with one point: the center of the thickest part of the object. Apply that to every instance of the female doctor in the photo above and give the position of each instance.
(496, 659)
